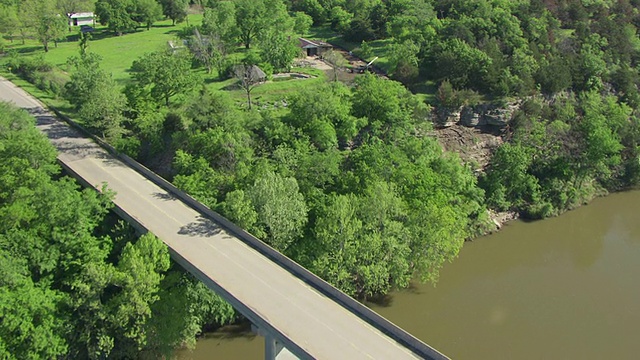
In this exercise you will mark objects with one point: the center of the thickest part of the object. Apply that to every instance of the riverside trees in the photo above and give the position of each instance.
(73, 284)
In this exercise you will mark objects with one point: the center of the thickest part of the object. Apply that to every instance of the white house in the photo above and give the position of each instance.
(84, 18)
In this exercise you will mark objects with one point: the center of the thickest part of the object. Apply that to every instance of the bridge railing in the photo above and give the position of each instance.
(385, 326)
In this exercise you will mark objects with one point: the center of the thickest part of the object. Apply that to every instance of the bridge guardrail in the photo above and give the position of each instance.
(374, 319)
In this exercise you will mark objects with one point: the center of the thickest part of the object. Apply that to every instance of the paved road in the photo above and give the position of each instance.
(320, 326)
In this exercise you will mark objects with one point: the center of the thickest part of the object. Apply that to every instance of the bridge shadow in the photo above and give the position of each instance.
(242, 329)
(201, 227)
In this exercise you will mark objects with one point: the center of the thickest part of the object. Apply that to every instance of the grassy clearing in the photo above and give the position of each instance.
(118, 52)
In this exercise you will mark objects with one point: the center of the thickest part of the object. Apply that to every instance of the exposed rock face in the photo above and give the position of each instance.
(476, 116)
(446, 117)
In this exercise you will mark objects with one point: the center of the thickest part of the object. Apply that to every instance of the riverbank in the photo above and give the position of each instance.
(560, 288)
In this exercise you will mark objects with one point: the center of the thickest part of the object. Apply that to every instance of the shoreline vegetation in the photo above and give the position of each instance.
(516, 109)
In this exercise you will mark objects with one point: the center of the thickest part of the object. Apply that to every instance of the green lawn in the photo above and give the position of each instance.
(118, 52)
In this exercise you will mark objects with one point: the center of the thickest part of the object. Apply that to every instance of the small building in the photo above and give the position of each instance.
(314, 47)
(79, 19)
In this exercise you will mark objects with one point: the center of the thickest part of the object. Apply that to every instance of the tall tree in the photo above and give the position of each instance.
(176, 10)
(256, 18)
(117, 15)
(96, 96)
(9, 20)
(278, 49)
(219, 20)
(165, 73)
(147, 12)
(44, 20)
(302, 22)
(282, 212)
(75, 6)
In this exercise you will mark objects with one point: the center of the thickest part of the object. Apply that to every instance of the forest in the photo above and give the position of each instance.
(345, 177)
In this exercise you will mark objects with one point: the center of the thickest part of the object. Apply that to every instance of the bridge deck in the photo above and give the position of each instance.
(319, 326)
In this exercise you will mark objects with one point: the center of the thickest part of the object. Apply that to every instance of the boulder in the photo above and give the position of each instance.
(447, 117)
(469, 117)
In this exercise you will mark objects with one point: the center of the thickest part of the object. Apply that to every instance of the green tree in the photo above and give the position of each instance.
(329, 104)
(74, 6)
(219, 21)
(31, 327)
(404, 60)
(166, 74)
(365, 248)
(9, 19)
(238, 208)
(278, 49)
(117, 15)
(147, 12)
(301, 22)
(96, 96)
(386, 104)
(140, 270)
(254, 18)
(282, 212)
(103, 112)
(44, 20)
(184, 307)
(176, 10)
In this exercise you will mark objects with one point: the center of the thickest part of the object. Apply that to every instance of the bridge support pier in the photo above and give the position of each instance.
(273, 349)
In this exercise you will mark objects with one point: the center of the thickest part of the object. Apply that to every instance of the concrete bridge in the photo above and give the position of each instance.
(300, 315)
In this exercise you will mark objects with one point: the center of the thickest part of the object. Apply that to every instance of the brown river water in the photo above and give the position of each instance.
(562, 288)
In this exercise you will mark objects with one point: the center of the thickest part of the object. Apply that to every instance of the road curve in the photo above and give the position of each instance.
(300, 314)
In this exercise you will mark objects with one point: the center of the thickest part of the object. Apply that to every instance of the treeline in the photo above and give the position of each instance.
(75, 282)
(564, 152)
(500, 48)
(573, 63)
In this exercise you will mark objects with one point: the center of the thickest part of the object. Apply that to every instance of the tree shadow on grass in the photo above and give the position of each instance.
(201, 227)
(28, 49)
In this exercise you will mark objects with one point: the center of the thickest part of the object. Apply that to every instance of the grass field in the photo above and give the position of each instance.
(119, 52)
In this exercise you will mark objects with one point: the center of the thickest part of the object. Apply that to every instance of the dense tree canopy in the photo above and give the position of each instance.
(72, 283)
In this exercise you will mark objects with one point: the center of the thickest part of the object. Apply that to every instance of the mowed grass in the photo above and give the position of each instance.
(119, 52)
